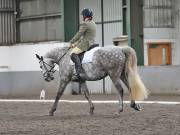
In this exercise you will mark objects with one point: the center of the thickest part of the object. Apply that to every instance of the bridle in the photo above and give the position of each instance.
(51, 69)
(47, 70)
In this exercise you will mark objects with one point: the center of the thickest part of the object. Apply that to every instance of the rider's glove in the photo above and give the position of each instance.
(72, 45)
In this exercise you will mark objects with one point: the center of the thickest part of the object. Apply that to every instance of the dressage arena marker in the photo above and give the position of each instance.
(95, 101)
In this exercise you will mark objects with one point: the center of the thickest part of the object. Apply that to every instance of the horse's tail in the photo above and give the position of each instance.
(137, 88)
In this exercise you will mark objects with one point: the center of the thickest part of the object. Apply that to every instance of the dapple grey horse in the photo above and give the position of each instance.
(120, 63)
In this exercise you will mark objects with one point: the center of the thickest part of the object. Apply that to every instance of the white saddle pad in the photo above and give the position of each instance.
(88, 56)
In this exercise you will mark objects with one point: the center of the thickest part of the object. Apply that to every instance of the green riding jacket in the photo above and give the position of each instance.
(85, 37)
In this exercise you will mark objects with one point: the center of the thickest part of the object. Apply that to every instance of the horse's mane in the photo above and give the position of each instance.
(56, 52)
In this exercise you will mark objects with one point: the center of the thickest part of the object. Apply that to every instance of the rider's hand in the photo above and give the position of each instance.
(72, 45)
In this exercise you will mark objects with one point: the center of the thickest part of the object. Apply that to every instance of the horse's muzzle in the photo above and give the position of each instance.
(49, 78)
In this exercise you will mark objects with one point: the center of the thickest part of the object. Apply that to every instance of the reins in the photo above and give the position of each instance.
(59, 59)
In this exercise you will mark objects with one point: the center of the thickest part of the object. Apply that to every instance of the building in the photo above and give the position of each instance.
(161, 32)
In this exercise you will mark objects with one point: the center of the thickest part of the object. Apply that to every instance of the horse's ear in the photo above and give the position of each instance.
(37, 56)
(42, 58)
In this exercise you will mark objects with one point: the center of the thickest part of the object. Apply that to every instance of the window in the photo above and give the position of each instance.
(158, 13)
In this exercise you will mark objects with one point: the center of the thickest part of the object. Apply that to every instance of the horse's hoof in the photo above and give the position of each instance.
(120, 110)
(136, 107)
(51, 114)
(91, 112)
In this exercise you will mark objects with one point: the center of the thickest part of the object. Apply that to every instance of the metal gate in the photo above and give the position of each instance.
(7, 22)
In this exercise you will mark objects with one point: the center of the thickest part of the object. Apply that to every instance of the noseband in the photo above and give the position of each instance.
(46, 65)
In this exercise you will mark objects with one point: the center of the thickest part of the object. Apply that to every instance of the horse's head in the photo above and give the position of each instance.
(47, 65)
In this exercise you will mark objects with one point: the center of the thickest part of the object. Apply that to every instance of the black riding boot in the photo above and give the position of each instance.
(79, 70)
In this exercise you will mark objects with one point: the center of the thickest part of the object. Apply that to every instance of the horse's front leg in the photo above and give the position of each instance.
(62, 86)
(85, 90)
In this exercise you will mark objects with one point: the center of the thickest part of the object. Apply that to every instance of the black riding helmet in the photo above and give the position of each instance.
(86, 12)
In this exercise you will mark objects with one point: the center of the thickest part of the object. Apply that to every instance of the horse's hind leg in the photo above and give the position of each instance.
(133, 104)
(85, 91)
(117, 83)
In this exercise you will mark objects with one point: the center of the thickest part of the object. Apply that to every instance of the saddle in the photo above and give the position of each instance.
(81, 55)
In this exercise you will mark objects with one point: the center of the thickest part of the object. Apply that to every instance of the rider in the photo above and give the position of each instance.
(83, 39)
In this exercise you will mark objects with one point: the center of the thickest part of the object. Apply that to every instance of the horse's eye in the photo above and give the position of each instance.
(40, 66)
